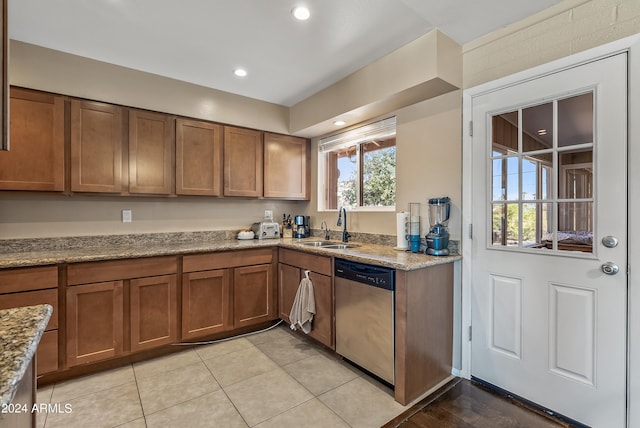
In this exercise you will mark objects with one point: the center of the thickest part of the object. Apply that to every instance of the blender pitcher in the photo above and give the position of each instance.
(438, 236)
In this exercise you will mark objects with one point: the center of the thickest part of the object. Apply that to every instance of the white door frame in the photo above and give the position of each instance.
(632, 46)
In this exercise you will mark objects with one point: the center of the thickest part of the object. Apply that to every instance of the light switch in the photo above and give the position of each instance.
(126, 216)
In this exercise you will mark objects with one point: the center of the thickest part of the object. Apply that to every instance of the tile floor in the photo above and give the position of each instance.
(270, 379)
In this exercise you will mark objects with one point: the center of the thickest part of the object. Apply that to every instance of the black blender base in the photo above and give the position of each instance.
(434, 252)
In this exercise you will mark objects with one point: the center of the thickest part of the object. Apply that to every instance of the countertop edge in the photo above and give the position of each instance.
(20, 332)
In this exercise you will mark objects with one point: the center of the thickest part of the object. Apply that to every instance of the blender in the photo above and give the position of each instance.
(438, 236)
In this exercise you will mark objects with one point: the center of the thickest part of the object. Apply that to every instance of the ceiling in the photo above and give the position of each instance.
(203, 41)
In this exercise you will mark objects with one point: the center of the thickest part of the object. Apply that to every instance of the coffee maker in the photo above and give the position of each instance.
(301, 226)
(438, 236)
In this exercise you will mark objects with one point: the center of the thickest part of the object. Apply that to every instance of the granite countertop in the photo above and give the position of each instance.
(20, 333)
(81, 251)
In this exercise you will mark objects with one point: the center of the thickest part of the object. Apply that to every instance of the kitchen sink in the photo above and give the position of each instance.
(328, 244)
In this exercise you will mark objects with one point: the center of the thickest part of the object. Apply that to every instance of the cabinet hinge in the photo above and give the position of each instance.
(471, 128)
(470, 333)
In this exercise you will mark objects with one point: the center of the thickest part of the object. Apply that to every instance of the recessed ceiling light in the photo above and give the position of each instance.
(339, 122)
(301, 13)
(240, 72)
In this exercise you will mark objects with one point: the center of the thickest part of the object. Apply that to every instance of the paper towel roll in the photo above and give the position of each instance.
(402, 222)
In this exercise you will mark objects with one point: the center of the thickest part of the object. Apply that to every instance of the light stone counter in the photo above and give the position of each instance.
(20, 333)
(34, 252)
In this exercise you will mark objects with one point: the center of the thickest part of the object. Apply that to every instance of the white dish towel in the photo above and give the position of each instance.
(304, 306)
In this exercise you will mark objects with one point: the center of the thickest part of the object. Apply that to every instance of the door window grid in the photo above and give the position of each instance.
(533, 208)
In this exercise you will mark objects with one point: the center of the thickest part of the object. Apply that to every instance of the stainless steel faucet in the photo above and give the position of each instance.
(345, 235)
(325, 228)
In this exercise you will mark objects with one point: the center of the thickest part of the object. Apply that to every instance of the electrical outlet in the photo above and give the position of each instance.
(127, 216)
(268, 214)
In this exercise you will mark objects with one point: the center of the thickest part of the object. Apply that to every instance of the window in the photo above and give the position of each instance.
(542, 176)
(357, 168)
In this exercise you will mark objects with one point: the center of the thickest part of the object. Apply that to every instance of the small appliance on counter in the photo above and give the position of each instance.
(438, 236)
(301, 226)
(266, 230)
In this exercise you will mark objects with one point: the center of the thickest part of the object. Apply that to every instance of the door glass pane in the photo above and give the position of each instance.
(575, 226)
(537, 127)
(536, 225)
(575, 120)
(575, 174)
(505, 179)
(505, 225)
(505, 133)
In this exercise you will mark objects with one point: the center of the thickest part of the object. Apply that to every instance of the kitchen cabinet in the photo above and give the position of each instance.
(151, 147)
(4, 77)
(35, 286)
(36, 160)
(96, 147)
(243, 150)
(287, 172)
(206, 303)
(253, 295)
(198, 158)
(223, 291)
(118, 307)
(291, 269)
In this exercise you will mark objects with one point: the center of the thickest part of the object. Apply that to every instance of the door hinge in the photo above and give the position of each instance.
(471, 128)
(470, 230)
(470, 333)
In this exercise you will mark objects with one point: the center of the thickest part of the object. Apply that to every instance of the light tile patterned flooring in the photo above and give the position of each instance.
(271, 379)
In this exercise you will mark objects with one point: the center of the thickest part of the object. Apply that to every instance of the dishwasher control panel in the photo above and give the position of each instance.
(377, 276)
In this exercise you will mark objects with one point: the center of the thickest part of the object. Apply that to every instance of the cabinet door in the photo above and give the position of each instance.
(96, 147)
(323, 325)
(286, 167)
(150, 152)
(288, 281)
(242, 162)
(94, 322)
(4, 76)
(198, 158)
(205, 303)
(36, 159)
(154, 312)
(254, 300)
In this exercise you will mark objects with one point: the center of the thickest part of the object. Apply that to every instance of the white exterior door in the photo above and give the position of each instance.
(548, 199)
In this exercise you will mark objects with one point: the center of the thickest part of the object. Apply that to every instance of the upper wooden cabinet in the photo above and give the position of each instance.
(96, 147)
(198, 158)
(4, 77)
(150, 152)
(36, 159)
(286, 167)
(242, 162)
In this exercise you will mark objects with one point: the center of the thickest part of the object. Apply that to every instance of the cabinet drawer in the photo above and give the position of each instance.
(47, 354)
(25, 279)
(86, 273)
(319, 264)
(228, 259)
(30, 298)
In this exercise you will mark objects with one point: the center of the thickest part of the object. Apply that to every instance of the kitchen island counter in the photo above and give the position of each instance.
(85, 249)
(20, 332)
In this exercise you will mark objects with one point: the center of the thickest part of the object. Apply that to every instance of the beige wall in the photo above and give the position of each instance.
(428, 164)
(567, 28)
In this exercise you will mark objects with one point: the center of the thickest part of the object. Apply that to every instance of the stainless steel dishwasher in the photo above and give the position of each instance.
(364, 316)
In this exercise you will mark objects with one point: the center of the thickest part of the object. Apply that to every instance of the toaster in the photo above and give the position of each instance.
(266, 230)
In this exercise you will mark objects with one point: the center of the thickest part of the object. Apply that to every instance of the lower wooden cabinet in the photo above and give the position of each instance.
(253, 295)
(35, 286)
(228, 290)
(153, 311)
(291, 270)
(95, 316)
(205, 303)
(117, 307)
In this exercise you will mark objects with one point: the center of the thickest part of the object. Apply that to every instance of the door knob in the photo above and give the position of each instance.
(610, 268)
